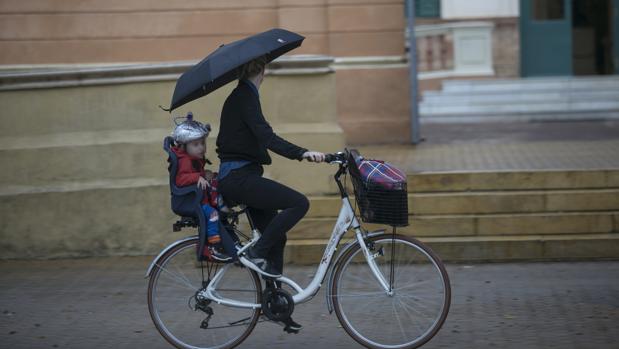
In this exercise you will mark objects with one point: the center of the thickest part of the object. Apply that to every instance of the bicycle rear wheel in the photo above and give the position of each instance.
(414, 312)
(179, 313)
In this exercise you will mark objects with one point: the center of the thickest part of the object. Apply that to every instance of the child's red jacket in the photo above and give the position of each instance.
(190, 169)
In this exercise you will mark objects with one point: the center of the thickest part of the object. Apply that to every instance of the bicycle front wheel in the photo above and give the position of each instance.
(408, 316)
(187, 320)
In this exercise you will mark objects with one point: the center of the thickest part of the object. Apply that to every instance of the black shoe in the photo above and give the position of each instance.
(258, 264)
(291, 326)
(288, 324)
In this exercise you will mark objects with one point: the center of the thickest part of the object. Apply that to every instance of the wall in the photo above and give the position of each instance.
(505, 36)
(88, 31)
(373, 95)
(506, 47)
(457, 9)
(503, 14)
(85, 173)
(75, 31)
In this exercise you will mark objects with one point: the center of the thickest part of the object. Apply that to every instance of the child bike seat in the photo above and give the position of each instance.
(186, 202)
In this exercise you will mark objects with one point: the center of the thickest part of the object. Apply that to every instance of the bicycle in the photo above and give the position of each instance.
(401, 283)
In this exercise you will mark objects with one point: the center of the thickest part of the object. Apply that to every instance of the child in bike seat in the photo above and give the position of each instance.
(190, 138)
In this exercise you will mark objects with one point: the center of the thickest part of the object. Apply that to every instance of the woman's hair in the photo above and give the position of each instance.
(252, 68)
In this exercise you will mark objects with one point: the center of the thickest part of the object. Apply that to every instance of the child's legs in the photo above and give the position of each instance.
(212, 224)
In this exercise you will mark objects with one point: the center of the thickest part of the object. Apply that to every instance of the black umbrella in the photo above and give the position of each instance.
(221, 66)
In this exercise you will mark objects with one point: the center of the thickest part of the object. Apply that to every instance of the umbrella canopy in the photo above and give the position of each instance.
(221, 66)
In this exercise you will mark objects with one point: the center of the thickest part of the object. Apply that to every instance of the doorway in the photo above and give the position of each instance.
(546, 40)
(569, 37)
(592, 39)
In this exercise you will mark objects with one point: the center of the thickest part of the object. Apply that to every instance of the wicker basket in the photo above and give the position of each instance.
(379, 202)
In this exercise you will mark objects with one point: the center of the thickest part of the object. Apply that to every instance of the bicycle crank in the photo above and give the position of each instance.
(277, 304)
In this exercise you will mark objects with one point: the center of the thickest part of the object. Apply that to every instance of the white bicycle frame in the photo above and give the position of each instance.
(345, 220)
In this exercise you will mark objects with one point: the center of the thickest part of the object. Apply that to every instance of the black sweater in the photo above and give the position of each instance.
(244, 134)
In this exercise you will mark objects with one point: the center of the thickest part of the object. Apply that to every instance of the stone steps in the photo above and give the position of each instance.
(538, 84)
(436, 97)
(523, 107)
(515, 202)
(509, 180)
(28, 170)
(529, 116)
(521, 224)
(97, 218)
(482, 202)
(107, 106)
(85, 172)
(119, 154)
(467, 216)
(491, 248)
(528, 99)
(493, 216)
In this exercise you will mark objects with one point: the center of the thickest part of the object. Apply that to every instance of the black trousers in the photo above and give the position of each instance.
(273, 207)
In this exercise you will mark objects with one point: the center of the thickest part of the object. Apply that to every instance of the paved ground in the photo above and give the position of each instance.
(101, 303)
(507, 146)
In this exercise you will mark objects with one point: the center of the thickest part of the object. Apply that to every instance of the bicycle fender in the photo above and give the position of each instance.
(332, 268)
(172, 245)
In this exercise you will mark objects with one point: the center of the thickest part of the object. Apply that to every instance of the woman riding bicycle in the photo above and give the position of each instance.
(242, 143)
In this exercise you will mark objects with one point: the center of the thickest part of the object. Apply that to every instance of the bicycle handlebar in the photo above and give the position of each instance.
(331, 157)
(341, 159)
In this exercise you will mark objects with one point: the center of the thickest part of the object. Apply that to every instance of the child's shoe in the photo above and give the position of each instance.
(218, 254)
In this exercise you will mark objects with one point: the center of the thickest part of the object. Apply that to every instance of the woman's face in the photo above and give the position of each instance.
(196, 148)
(260, 77)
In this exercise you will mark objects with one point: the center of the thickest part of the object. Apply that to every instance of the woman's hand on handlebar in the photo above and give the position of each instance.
(314, 156)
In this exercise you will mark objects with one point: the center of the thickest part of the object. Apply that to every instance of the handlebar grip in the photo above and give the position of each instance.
(330, 157)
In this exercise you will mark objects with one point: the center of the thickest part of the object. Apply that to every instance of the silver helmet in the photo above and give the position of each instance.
(190, 130)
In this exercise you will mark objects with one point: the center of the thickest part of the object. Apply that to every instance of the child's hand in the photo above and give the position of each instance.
(208, 174)
(202, 183)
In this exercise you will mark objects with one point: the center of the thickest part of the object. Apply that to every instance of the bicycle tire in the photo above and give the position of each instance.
(343, 261)
(161, 328)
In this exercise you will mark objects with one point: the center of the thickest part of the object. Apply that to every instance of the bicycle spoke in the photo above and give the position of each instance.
(405, 309)
(377, 293)
(180, 323)
(417, 302)
(361, 308)
(182, 275)
(412, 308)
(364, 280)
(414, 318)
(417, 298)
(398, 320)
(412, 285)
(179, 278)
